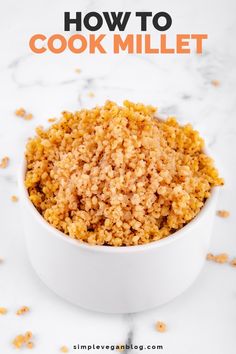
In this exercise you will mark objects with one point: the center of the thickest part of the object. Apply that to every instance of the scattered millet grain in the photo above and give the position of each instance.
(118, 176)
(4, 162)
(51, 120)
(223, 213)
(161, 326)
(28, 116)
(210, 257)
(21, 112)
(1, 260)
(3, 310)
(221, 258)
(14, 198)
(23, 339)
(78, 71)
(215, 83)
(22, 310)
(28, 336)
(19, 341)
(30, 345)
(64, 349)
(233, 262)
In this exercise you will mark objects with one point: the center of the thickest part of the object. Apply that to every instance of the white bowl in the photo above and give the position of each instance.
(116, 279)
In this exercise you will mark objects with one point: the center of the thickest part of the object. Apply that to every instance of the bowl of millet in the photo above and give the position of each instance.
(118, 206)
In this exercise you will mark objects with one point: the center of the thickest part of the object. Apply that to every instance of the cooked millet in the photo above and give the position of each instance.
(3, 310)
(4, 162)
(219, 258)
(14, 198)
(19, 341)
(21, 112)
(51, 120)
(30, 345)
(28, 116)
(233, 262)
(223, 213)
(28, 335)
(23, 340)
(161, 326)
(22, 310)
(210, 257)
(222, 258)
(118, 176)
(215, 83)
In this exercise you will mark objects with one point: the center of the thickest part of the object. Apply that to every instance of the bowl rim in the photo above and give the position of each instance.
(177, 235)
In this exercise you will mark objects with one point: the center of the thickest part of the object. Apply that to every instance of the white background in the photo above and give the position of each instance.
(202, 320)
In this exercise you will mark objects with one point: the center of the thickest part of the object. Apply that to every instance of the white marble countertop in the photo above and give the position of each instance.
(203, 319)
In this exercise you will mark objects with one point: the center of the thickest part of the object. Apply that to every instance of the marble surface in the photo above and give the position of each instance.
(203, 319)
